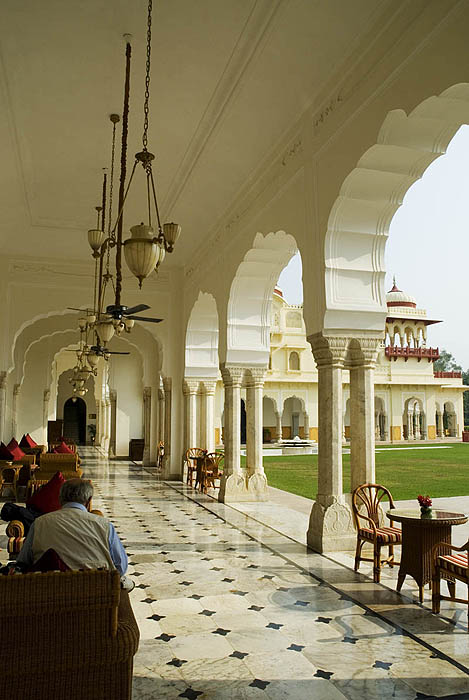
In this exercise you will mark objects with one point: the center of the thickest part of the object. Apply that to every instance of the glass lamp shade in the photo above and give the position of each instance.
(82, 392)
(129, 323)
(82, 323)
(95, 238)
(171, 233)
(105, 330)
(141, 253)
(161, 256)
(93, 359)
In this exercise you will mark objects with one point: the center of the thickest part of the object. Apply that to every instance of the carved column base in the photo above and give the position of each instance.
(331, 527)
(257, 487)
(233, 488)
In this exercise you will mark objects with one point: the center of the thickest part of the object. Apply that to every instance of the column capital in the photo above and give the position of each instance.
(364, 351)
(3, 379)
(167, 384)
(232, 375)
(209, 386)
(329, 350)
(190, 386)
(113, 394)
(255, 376)
(16, 389)
(46, 394)
(147, 392)
(160, 395)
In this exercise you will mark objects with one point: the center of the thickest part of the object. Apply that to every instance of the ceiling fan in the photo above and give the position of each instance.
(118, 311)
(101, 351)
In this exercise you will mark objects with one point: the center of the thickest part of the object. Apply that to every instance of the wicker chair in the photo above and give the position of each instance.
(451, 567)
(77, 631)
(366, 501)
(8, 480)
(212, 468)
(190, 457)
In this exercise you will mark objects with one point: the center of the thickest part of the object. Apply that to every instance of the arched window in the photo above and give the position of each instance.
(294, 361)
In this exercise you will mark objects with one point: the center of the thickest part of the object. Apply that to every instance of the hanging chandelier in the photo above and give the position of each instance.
(145, 250)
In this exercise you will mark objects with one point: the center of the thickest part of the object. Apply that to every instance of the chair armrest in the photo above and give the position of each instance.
(372, 522)
(15, 528)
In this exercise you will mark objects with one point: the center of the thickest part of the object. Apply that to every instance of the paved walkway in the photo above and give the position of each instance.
(230, 608)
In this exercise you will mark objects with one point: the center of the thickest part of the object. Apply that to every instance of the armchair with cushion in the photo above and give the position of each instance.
(367, 515)
(77, 631)
(450, 566)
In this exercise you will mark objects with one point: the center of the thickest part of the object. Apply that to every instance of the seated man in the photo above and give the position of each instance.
(81, 539)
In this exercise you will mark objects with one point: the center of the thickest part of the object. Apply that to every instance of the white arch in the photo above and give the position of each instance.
(201, 358)
(250, 301)
(359, 221)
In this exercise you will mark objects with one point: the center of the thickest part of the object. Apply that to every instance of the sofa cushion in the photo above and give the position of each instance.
(64, 449)
(46, 499)
(5, 453)
(15, 449)
(27, 441)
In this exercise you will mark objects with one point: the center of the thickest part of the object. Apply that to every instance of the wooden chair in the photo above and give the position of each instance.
(367, 515)
(8, 477)
(191, 455)
(451, 567)
(213, 468)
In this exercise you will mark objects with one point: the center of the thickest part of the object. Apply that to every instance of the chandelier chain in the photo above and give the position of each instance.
(111, 181)
(146, 106)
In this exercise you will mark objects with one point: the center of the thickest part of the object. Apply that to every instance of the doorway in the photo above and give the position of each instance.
(74, 427)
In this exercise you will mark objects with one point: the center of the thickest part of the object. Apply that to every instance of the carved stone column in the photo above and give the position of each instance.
(232, 484)
(417, 422)
(97, 440)
(256, 478)
(146, 424)
(14, 410)
(364, 352)
(45, 413)
(3, 387)
(208, 414)
(112, 440)
(107, 424)
(161, 415)
(278, 426)
(330, 524)
(306, 425)
(439, 424)
(410, 425)
(167, 386)
(190, 388)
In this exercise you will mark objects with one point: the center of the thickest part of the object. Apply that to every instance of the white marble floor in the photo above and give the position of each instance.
(230, 608)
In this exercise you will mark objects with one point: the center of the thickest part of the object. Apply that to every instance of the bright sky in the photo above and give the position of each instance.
(428, 249)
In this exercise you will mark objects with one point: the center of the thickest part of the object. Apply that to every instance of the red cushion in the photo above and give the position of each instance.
(46, 499)
(15, 449)
(5, 453)
(12, 444)
(63, 449)
(27, 441)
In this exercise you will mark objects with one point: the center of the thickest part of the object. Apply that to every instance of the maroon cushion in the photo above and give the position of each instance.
(49, 561)
(5, 453)
(15, 449)
(63, 449)
(46, 499)
(27, 441)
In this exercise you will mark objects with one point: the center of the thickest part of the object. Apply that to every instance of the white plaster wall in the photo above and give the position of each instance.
(125, 377)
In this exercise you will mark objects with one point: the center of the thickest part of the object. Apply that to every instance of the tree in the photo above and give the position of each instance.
(447, 363)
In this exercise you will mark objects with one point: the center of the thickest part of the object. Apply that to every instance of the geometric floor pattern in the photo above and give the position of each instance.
(225, 614)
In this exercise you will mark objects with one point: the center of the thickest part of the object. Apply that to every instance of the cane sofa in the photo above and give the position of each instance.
(77, 631)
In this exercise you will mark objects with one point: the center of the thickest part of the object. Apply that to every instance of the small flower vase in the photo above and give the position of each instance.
(426, 511)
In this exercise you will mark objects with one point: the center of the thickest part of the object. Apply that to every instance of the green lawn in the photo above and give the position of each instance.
(405, 472)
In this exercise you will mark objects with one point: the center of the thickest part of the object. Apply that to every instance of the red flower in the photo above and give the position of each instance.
(425, 501)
